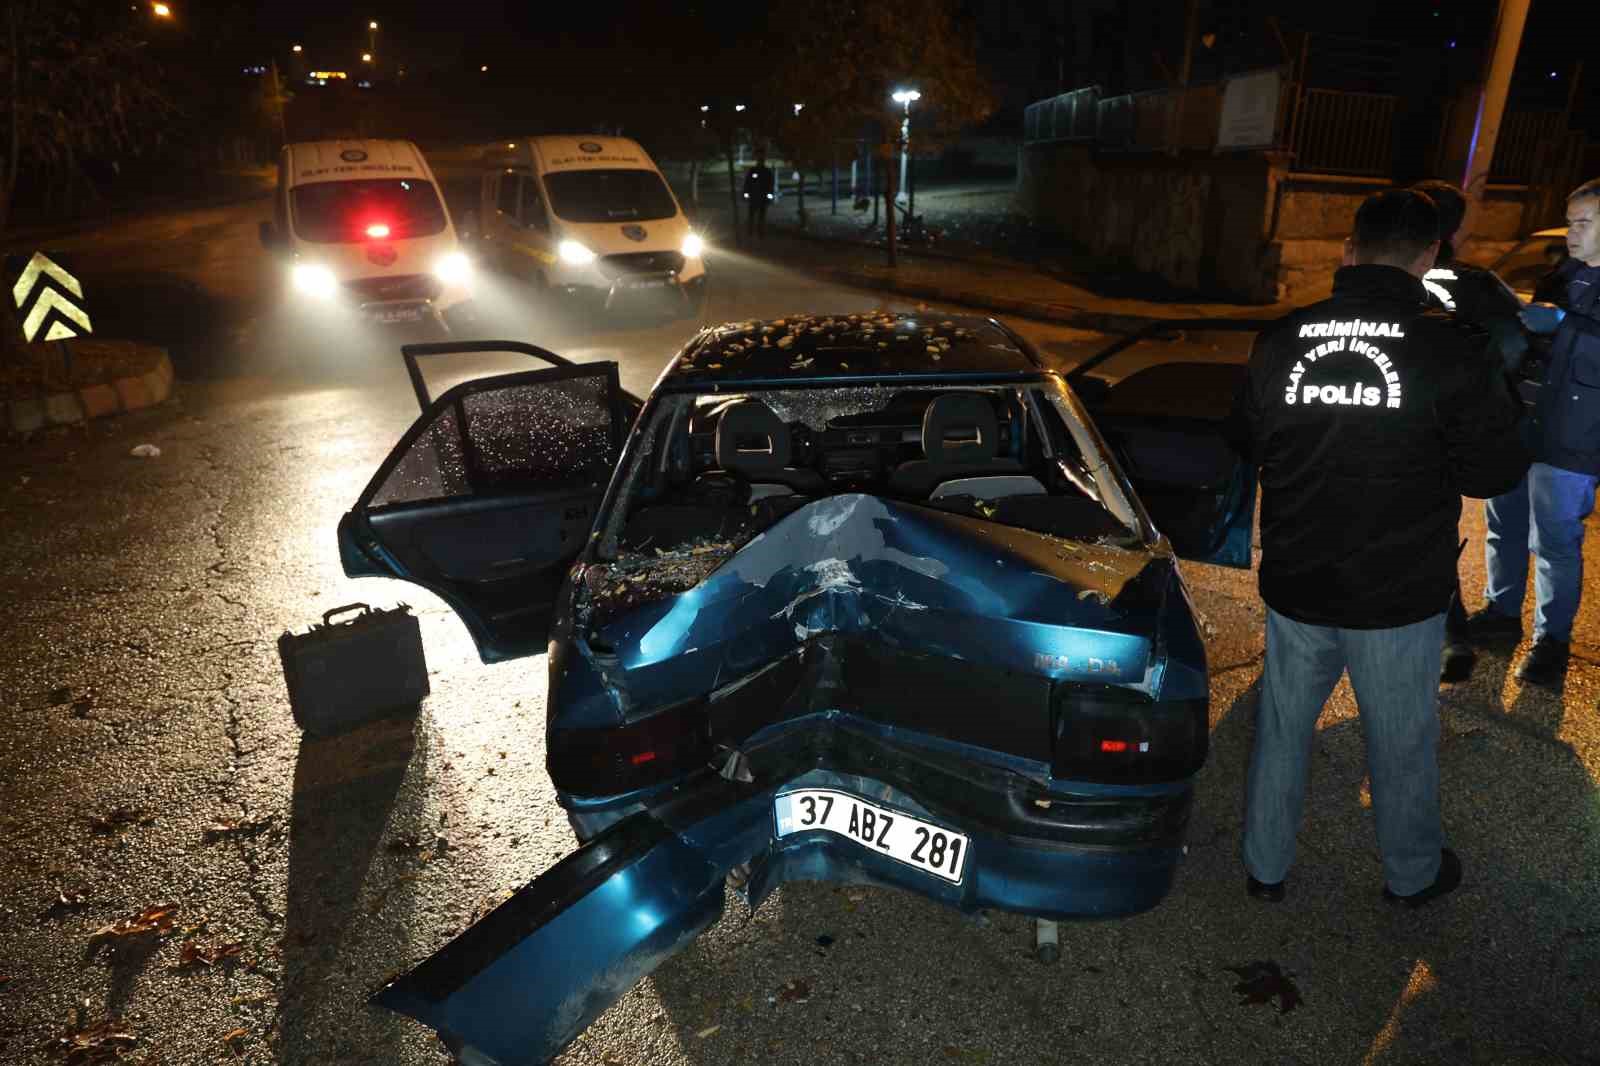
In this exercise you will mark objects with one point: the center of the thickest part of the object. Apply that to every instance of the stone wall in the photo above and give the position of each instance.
(1239, 226)
(1197, 223)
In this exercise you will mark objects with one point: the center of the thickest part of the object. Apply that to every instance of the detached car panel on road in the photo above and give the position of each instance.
(861, 598)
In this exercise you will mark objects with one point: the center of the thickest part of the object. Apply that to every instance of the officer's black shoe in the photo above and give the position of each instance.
(1546, 663)
(1489, 626)
(1272, 893)
(1448, 880)
(1456, 665)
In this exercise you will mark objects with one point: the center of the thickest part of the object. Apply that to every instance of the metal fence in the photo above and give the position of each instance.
(1337, 132)
(1160, 119)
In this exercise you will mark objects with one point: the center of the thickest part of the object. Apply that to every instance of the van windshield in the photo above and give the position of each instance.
(609, 195)
(346, 211)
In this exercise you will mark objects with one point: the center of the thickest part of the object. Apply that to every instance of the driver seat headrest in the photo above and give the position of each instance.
(752, 440)
(960, 428)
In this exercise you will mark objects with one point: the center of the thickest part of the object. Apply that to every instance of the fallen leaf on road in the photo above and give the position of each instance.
(192, 953)
(75, 897)
(121, 818)
(702, 1034)
(158, 918)
(232, 827)
(237, 1034)
(795, 991)
(101, 1043)
(1259, 982)
(145, 451)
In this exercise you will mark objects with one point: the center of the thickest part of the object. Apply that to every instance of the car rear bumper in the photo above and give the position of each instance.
(1036, 847)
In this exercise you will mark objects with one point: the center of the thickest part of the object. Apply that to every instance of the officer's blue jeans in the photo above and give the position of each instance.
(1551, 503)
(1395, 674)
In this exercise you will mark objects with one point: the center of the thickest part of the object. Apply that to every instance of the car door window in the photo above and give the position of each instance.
(506, 198)
(539, 436)
(532, 210)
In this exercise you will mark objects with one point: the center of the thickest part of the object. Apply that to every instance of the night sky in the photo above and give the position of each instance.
(462, 33)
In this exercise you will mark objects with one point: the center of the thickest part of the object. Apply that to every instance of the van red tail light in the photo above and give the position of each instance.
(615, 759)
(378, 231)
(1116, 736)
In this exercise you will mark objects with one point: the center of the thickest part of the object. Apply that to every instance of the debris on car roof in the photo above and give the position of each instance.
(879, 342)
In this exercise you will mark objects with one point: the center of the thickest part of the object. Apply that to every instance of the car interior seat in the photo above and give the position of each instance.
(754, 443)
(960, 443)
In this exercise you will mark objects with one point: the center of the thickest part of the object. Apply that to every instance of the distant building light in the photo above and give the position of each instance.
(297, 49)
(705, 107)
(799, 108)
(738, 107)
(483, 69)
(363, 85)
(325, 75)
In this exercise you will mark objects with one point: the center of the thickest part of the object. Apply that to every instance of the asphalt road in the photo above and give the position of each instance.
(149, 758)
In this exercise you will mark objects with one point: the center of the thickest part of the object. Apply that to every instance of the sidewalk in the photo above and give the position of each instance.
(963, 267)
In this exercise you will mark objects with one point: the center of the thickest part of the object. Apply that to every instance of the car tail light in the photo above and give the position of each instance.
(617, 759)
(378, 230)
(1117, 736)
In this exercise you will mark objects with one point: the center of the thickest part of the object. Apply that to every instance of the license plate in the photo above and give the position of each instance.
(398, 314)
(927, 847)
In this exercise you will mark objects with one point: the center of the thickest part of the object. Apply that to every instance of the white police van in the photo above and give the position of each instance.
(587, 216)
(362, 227)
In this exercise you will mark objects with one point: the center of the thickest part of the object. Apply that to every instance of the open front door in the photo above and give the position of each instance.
(517, 987)
(1166, 424)
(489, 497)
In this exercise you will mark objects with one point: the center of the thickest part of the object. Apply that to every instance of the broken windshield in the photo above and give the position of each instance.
(711, 471)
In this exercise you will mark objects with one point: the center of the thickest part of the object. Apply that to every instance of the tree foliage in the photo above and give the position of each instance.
(79, 84)
(844, 59)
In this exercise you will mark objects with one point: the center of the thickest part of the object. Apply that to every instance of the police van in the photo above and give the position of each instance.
(587, 216)
(361, 226)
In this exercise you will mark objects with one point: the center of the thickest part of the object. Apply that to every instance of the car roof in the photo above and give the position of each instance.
(804, 348)
(590, 152)
(350, 160)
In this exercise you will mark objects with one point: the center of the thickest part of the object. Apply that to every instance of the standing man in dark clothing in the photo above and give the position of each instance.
(759, 186)
(1546, 511)
(1482, 300)
(1370, 415)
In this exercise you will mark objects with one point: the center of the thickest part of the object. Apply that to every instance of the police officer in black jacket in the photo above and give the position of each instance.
(1370, 415)
(1481, 299)
(1546, 511)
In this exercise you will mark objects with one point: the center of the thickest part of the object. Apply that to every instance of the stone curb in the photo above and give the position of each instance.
(131, 393)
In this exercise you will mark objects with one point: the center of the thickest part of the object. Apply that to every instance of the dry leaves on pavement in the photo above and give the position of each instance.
(1259, 982)
(121, 818)
(192, 953)
(157, 918)
(100, 1043)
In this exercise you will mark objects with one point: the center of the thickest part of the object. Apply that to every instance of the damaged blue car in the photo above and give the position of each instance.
(872, 598)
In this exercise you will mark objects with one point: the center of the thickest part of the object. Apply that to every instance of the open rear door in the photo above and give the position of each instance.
(489, 497)
(1165, 419)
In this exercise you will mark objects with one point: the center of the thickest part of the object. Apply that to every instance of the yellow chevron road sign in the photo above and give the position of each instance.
(50, 301)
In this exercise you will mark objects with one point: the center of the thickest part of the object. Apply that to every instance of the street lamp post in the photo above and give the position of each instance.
(907, 97)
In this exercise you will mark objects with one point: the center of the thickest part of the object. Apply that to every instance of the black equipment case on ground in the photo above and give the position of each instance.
(341, 675)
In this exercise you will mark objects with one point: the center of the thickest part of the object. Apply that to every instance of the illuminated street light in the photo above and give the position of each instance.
(906, 97)
(162, 11)
(297, 49)
(483, 70)
(366, 57)
(372, 25)
(738, 107)
(799, 108)
(705, 107)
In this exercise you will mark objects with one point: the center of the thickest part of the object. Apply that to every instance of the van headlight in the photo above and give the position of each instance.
(693, 246)
(453, 269)
(575, 253)
(314, 280)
